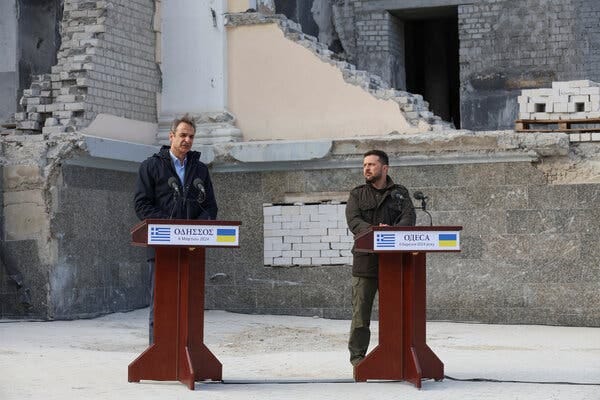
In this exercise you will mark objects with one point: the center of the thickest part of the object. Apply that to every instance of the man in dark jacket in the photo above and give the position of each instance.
(379, 202)
(174, 183)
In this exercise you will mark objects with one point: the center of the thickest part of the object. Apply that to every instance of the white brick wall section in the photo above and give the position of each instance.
(311, 253)
(309, 209)
(271, 226)
(281, 247)
(321, 261)
(330, 253)
(337, 231)
(311, 234)
(311, 239)
(282, 261)
(271, 241)
(341, 246)
(302, 261)
(292, 239)
(313, 246)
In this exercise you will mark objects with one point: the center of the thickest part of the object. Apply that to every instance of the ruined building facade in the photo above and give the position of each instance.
(469, 59)
(283, 121)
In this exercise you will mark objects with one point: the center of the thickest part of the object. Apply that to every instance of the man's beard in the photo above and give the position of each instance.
(372, 178)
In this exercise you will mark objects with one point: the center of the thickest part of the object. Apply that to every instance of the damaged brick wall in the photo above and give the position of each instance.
(53, 210)
(505, 46)
(106, 64)
(511, 45)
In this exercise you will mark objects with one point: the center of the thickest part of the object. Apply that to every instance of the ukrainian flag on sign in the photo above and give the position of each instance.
(225, 235)
(447, 239)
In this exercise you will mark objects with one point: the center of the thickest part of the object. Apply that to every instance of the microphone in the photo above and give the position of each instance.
(198, 184)
(397, 195)
(420, 196)
(172, 182)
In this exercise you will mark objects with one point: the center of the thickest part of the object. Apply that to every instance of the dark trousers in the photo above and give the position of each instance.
(363, 296)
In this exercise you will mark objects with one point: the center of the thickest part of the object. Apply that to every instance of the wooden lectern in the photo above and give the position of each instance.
(178, 352)
(402, 353)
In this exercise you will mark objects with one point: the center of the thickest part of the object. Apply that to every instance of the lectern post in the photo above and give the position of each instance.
(402, 352)
(178, 352)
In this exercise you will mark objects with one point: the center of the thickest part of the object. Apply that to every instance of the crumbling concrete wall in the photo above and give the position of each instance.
(66, 229)
(529, 240)
(261, 51)
(106, 64)
(512, 45)
(505, 46)
(54, 212)
(528, 254)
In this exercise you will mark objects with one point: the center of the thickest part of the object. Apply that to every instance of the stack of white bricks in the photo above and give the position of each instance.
(565, 100)
(306, 235)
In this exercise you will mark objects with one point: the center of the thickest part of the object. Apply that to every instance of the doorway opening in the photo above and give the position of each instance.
(431, 59)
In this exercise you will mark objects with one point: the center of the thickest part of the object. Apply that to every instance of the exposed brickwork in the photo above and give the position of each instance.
(106, 64)
(306, 235)
(514, 35)
(34, 102)
(509, 45)
(125, 78)
(505, 46)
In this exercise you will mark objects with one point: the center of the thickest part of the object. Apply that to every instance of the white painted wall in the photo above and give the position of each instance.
(279, 89)
(8, 58)
(193, 57)
(8, 36)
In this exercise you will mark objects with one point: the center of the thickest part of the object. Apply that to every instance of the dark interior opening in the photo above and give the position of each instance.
(431, 58)
(39, 38)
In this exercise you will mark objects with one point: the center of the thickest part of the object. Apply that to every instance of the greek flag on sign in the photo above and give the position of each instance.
(160, 234)
(383, 239)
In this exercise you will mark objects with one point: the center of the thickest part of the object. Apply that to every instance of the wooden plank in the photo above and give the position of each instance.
(562, 125)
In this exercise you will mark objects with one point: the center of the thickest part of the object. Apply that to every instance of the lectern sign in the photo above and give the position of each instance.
(199, 235)
(411, 240)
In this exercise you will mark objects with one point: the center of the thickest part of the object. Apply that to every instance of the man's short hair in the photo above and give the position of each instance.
(383, 157)
(186, 118)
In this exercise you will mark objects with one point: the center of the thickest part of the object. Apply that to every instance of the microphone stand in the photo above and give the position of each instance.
(424, 209)
(186, 201)
(203, 210)
(176, 198)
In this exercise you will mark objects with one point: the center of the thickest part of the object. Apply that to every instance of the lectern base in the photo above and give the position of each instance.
(386, 363)
(156, 364)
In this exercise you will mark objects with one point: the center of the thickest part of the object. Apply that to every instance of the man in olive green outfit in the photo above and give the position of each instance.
(379, 202)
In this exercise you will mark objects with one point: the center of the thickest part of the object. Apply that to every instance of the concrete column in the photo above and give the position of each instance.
(193, 59)
(9, 78)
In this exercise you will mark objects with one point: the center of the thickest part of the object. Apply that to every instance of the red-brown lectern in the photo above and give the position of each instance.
(178, 352)
(402, 352)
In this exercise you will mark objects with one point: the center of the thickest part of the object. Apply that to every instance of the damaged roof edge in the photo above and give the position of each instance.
(419, 149)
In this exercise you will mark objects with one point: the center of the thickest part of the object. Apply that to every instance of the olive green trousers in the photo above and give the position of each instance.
(363, 295)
